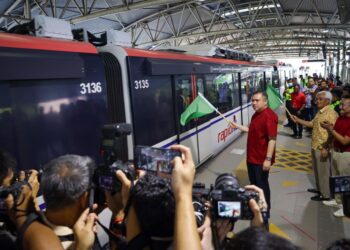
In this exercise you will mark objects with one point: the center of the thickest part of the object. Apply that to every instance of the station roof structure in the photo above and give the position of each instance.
(263, 28)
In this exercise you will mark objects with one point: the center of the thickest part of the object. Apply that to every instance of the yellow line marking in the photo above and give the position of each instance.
(290, 183)
(300, 144)
(278, 231)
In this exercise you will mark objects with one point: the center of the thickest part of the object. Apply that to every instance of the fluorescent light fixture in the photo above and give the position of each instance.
(250, 9)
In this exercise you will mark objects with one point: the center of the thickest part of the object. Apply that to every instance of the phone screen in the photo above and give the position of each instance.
(229, 209)
(340, 184)
(155, 159)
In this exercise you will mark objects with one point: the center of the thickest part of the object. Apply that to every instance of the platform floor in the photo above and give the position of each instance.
(308, 224)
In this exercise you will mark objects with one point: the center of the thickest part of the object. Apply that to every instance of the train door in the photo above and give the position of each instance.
(245, 96)
(203, 86)
(184, 94)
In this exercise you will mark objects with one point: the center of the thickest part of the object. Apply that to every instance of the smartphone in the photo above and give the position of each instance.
(155, 159)
(228, 209)
(339, 184)
(91, 199)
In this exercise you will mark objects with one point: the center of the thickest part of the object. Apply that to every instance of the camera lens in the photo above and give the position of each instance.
(226, 181)
(199, 212)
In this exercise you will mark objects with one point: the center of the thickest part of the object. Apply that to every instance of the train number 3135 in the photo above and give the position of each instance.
(141, 84)
(90, 88)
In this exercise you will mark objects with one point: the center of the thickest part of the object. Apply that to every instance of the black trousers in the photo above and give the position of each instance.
(289, 107)
(297, 128)
(260, 178)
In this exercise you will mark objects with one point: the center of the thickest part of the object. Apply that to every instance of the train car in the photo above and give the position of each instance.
(55, 95)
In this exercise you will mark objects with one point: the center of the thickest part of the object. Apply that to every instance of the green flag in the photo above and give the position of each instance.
(274, 97)
(198, 108)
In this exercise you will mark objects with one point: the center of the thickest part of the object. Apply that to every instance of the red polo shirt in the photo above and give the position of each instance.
(342, 126)
(298, 100)
(262, 128)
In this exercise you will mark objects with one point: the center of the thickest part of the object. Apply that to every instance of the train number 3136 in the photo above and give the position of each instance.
(90, 88)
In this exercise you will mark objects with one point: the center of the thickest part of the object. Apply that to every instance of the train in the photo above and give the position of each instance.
(56, 94)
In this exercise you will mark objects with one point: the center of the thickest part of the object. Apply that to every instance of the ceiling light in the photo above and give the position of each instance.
(250, 9)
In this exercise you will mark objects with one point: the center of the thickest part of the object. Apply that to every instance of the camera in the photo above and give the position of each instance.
(339, 184)
(107, 179)
(228, 199)
(104, 177)
(15, 189)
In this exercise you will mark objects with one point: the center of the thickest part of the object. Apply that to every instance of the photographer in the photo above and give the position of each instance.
(7, 168)
(160, 212)
(150, 216)
(65, 183)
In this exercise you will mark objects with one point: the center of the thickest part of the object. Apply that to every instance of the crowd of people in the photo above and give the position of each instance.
(323, 108)
(153, 212)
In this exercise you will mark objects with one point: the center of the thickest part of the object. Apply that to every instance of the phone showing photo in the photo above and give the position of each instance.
(228, 209)
(156, 160)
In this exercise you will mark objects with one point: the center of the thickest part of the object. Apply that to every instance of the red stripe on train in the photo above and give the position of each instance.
(184, 57)
(38, 43)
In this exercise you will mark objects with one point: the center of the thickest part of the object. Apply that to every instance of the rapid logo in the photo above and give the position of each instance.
(226, 132)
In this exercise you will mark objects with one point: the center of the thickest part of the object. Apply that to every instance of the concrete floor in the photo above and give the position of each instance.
(308, 224)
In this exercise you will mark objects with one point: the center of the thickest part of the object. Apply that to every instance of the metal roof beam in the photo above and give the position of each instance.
(9, 9)
(232, 31)
(310, 38)
(119, 9)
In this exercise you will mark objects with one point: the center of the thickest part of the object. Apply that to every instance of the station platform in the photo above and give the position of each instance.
(308, 224)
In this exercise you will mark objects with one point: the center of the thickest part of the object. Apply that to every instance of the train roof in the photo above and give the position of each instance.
(48, 44)
(184, 57)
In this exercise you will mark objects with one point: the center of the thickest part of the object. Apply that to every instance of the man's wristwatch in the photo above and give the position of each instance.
(268, 158)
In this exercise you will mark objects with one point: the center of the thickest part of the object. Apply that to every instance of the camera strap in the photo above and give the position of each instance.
(117, 239)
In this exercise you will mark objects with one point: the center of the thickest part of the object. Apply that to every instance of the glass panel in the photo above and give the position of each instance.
(183, 88)
(153, 110)
(43, 119)
(268, 78)
(275, 80)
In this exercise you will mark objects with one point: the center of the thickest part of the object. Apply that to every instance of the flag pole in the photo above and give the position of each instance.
(216, 110)
(284, 106)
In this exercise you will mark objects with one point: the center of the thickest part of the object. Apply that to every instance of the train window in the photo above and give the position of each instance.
(268, 78)
(275, 80)
(183, 88)
(42, 119)
(221, 90)
(250, 83)
(152, 108)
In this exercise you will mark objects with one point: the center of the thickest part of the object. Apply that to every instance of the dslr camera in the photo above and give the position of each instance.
(228, 199)
(104, 177)
(15, 189)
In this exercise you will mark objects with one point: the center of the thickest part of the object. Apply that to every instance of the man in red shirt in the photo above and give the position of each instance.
(261, 144)
(341, 148)
(298, 105)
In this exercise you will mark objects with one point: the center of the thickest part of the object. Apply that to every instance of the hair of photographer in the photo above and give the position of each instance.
(65, 182)
(154, 204)
(258, 239)
(7, 167)
(342, 244)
